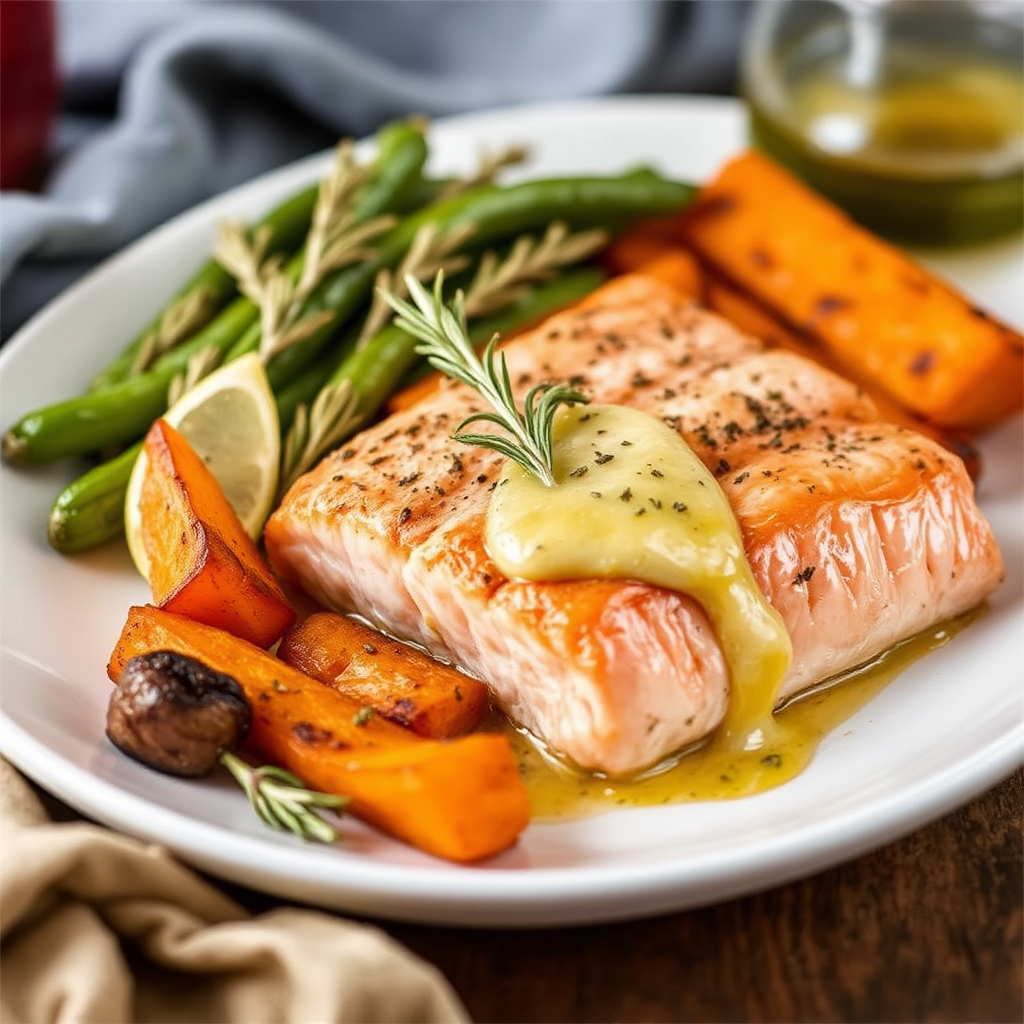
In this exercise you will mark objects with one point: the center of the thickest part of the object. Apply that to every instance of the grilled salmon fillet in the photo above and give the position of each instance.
(860, 533)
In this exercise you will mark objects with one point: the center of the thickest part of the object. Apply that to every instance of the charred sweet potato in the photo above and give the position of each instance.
(752, 318)
(202, 562)
(399, 682)
(681, 269)
(461, 799)
(878, 313)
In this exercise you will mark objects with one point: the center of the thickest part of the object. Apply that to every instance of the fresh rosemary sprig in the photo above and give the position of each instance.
(179, 321)
(333, 416)
(487, 170)
(431, 250)
(334, 241)
(498, 282)
(445, 342)
(281, 800)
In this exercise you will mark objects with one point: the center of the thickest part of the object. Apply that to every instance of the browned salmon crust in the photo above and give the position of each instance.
(860, 533)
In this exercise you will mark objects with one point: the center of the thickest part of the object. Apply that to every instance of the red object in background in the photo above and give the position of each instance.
(28, 88)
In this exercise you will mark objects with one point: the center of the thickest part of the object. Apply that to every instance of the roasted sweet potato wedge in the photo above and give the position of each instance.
(878, 313)
(398, 681)
(202, 562)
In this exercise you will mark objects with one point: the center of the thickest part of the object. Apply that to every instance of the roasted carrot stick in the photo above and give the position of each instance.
(202, 563)
(462, 799)
(635, 247)
(677, 268)
(879, 314)
(726, 300)
(400, 682)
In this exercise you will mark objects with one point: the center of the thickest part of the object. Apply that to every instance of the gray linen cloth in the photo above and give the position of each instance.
(168, 102)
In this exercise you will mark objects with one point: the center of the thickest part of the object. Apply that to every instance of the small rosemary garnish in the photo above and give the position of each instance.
(500, 281)
(445, 342)
(282, 802)
(487, 170)
(200, 364)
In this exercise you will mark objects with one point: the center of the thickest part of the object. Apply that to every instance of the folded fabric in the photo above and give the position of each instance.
(208, 95)
(100, 928)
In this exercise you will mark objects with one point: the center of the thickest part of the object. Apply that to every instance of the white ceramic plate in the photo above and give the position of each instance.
(944, 731)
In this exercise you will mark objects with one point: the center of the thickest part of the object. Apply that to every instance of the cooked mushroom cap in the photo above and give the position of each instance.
(175, 714)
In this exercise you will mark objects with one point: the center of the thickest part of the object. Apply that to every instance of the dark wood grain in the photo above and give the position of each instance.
(928, 928)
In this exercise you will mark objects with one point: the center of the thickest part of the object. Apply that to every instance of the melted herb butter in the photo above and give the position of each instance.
(633, 501)
(712, 771)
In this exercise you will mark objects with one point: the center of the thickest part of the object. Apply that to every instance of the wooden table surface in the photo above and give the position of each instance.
(929, 928)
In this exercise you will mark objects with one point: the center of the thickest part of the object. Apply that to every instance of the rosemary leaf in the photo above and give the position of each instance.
(180, 320)
(351, 246)
(281, 801)
(497, 283)
(200, 364)
(487, 170)
(429, 252)
(333, 416)
(287, 336)
(243, 258)
(444, 340)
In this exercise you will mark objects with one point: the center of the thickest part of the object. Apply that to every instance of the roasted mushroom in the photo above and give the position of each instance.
(176, 714)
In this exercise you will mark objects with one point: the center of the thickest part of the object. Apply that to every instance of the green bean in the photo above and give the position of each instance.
(423, 193)
(90, 510)
(124, 411)
(495, 212)
(287, 225)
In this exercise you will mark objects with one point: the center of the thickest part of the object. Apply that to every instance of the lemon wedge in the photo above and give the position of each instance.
(230, 419)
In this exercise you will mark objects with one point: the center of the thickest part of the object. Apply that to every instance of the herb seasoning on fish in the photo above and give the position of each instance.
(687, 540)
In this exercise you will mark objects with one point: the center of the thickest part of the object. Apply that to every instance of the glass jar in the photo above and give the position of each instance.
(907, 113)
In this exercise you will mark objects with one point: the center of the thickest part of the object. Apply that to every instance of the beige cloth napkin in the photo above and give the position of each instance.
(100, 928)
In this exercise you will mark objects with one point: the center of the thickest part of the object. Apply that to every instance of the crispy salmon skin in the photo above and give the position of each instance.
(860, 533)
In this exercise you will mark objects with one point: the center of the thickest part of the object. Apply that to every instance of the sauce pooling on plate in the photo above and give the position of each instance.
(712, 770)
(633, 501)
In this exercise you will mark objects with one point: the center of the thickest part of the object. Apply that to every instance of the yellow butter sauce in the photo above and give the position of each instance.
(633, 501)
(717, 770)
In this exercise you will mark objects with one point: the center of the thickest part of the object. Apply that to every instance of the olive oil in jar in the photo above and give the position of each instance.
(924, 145)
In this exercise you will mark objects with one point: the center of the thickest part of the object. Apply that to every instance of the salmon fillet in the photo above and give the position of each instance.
(859, 533)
